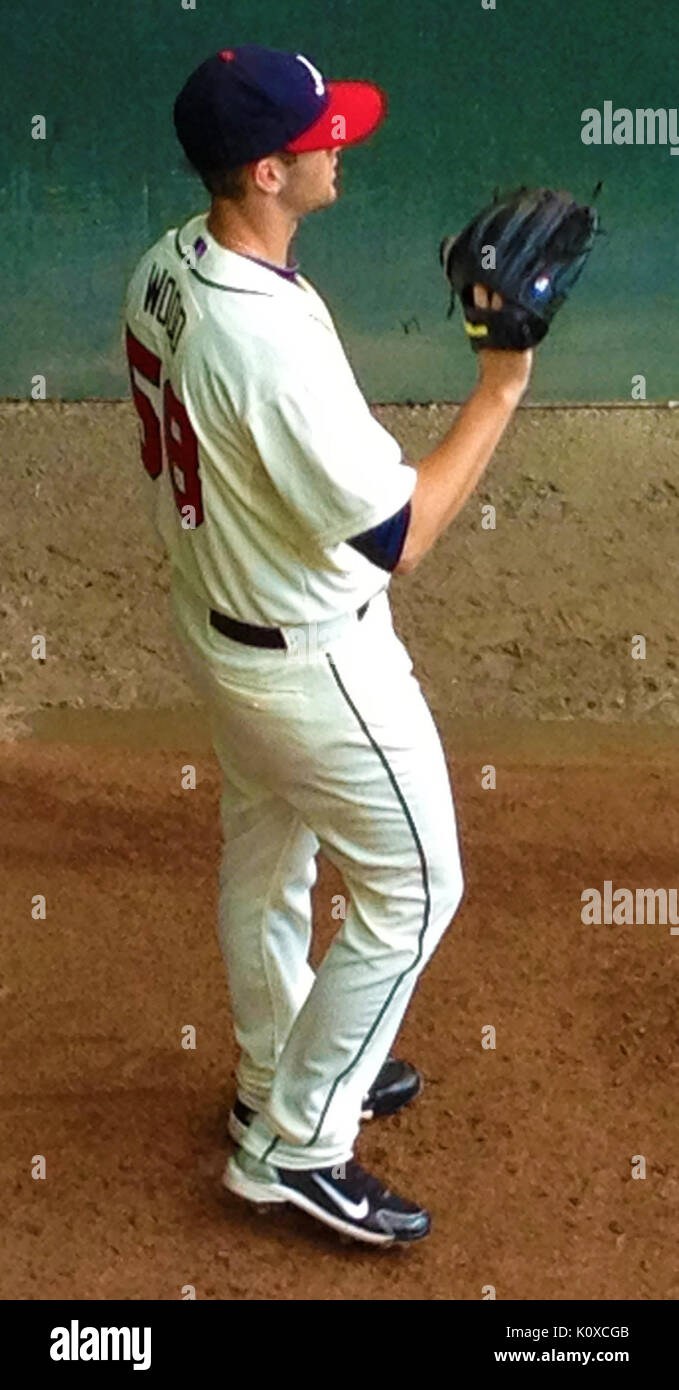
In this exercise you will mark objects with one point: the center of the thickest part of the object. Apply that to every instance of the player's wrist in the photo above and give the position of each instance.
(505, 394)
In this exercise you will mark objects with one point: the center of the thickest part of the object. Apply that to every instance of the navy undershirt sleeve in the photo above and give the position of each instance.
(383, 544)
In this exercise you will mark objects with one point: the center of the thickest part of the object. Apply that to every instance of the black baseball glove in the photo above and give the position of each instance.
(530, 246)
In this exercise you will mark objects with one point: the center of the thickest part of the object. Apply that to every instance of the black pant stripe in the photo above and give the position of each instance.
(425, 916)
(425, 884)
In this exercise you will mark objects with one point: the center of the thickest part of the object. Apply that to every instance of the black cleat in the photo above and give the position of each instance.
(345, 1197)
(239, 1121)
(397, 1083)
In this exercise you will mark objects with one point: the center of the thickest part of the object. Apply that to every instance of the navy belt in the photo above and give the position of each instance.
(253, 636)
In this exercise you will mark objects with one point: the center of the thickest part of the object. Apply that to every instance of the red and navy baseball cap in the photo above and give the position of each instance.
(247, 102)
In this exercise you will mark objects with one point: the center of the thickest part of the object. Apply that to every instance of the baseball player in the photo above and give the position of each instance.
(285, 508)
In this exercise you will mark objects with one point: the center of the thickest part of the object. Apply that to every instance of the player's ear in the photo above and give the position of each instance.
(264, 173)
(268, 172)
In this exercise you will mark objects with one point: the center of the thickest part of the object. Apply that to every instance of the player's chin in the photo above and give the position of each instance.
(324, 202)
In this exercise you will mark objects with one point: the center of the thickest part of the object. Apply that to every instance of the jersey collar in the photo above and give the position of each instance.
(224, 269)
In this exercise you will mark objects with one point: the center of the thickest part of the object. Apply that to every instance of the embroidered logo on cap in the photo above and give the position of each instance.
(319, 84)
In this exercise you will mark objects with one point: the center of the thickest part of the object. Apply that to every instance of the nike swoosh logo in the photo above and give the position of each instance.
(357, 1211)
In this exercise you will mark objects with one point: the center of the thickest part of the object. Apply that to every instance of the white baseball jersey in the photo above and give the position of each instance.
(266, 461)
(263, 455)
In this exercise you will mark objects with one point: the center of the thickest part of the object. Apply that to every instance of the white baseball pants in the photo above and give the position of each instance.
(328, 744)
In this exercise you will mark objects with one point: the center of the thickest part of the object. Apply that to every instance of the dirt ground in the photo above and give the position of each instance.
(532, 620)
(521, 637)
(523, 1153)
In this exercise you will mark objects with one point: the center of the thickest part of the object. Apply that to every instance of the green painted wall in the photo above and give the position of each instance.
(478, 98)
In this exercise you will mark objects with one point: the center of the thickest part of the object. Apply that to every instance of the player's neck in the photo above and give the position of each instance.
(235, 233)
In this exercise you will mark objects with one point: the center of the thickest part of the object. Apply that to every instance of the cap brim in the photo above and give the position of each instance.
(354, 112)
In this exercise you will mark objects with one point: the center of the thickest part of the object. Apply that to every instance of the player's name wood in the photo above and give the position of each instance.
(163, 301)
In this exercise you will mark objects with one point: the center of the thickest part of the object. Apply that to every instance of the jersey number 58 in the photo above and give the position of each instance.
(175, 431)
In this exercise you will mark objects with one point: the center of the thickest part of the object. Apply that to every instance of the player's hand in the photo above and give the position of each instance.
(485, 298)
(503, 371)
